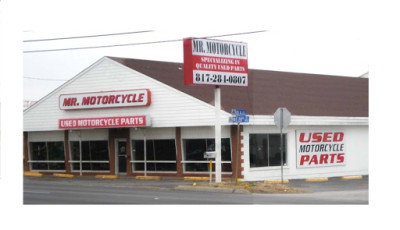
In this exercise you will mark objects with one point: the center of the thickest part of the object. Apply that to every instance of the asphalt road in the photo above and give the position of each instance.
(49, 190)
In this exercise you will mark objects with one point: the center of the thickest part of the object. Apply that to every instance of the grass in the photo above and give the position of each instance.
(256, 187)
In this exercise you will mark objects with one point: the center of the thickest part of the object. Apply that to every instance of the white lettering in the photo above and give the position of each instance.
(106, 99)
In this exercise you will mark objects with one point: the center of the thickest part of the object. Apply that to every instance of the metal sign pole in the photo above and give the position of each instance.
(217, 94)
(282, 120)
(281, 127)
(237, 152)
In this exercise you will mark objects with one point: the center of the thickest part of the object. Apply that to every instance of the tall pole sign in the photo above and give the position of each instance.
(214, 62)
(217, 63)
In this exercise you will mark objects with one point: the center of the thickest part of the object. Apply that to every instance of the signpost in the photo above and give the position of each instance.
(282, 119)
(217, 63)
(209, 155)
(239, 116)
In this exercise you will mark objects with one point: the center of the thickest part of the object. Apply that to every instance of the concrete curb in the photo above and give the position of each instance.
(106, 177)
(196, 178)
(211, 189)
(33, 174)
(351, 177)
(63, 175)
(148, 178)
(317, 179)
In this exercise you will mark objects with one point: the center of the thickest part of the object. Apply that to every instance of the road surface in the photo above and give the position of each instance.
(47, 190)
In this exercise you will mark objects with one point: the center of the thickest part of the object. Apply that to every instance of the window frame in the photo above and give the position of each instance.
(132, 161)
(71, 162)
(205, 161)
(30, 161)
(285, 164)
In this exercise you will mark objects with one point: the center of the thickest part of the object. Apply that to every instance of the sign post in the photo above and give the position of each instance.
(282, 119)
(209, 155)
(218, 171)
(237, 152)
(217, 63)
(238, 116)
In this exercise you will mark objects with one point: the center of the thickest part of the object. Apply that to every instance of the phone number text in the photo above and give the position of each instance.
(219, 78)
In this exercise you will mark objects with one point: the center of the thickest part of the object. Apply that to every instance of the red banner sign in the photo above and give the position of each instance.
(214, 62)
(107, 99)
(104, 122)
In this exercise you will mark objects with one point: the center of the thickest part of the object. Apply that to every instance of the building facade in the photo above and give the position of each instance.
(133, 117)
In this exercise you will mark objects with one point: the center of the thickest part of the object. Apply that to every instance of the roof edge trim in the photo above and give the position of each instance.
(64, 85)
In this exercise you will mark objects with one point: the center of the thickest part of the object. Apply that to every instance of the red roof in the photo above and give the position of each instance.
(301, 94)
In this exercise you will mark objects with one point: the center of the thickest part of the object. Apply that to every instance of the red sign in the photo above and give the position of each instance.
(106, 99)
(104, 122)
(214, 62)
(317, 149)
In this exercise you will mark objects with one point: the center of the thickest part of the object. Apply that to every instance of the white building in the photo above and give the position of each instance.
(104, 114)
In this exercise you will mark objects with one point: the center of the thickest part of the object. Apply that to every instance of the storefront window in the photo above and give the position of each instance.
(265, 150)
(194, 154)
(95, 155)
(160, 155)
(47, 155)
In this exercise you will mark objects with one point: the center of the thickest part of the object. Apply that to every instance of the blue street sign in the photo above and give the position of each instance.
(241, 119)
(238, 112)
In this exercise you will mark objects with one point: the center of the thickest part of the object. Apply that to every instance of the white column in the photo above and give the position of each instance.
(217, 101)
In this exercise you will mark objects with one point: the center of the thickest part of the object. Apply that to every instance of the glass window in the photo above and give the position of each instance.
(165, 150)
(95, 155)
(160, 155)
(194, 151)
(47, 155)
(265, 150)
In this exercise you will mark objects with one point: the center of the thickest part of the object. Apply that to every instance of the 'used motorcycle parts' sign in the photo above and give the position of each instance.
(320, 148)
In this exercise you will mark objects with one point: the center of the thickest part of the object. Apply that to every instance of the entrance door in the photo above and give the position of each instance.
(121, 153)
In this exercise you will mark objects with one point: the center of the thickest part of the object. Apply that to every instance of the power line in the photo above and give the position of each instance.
(87, 36)
(140, 43)
(97, 47)
(45, 79)
(235, 34)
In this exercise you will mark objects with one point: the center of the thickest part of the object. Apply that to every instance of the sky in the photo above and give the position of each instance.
(326, 38)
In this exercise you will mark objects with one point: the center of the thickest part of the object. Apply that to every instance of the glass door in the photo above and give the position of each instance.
(121, 156)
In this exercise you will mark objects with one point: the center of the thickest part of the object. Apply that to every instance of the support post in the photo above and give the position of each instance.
(145, 152)
(281, 127)
(237, 152)
(80, 154)
(217, 94)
